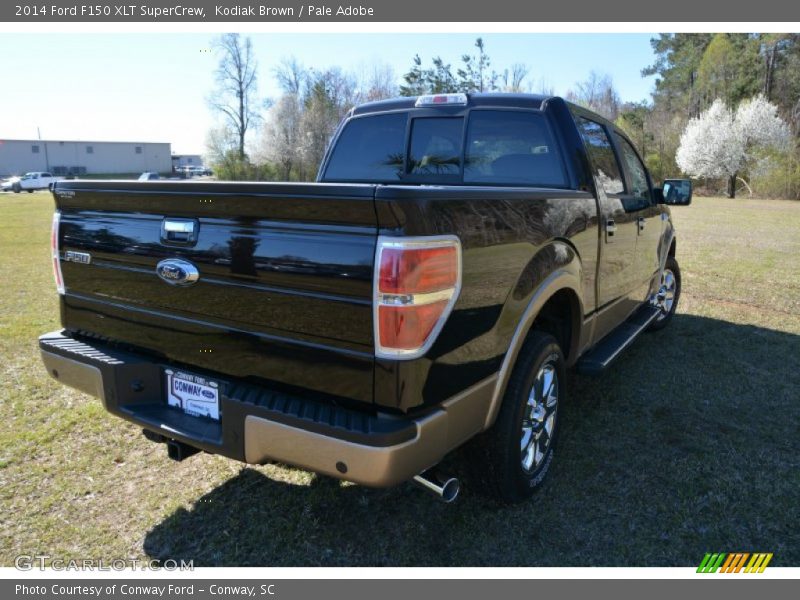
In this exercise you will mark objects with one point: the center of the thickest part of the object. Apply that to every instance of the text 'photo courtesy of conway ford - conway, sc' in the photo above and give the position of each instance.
(457, 255)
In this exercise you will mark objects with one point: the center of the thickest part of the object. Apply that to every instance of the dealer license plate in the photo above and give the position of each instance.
(193, 394)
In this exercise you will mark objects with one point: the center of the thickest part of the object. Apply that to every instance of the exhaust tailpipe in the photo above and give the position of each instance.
(446, 488)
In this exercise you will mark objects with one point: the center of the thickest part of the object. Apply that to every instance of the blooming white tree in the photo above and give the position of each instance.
(722, 142)
(281, 137)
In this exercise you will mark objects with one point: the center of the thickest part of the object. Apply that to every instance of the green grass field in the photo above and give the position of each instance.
(689, 444)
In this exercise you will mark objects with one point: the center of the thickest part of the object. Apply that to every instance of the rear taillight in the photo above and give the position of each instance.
(54, 251)
(417, 281)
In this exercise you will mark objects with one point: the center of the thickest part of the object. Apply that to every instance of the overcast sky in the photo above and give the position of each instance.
(153, 87)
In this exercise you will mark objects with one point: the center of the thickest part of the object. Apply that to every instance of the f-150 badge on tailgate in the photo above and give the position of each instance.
(177, 272)
(79, 257)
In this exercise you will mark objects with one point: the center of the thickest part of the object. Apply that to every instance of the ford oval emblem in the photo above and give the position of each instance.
(177, 272)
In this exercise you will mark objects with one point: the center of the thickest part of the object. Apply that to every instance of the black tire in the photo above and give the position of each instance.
(30, 191)
(664, 319)
(17, 188)
(496, 457)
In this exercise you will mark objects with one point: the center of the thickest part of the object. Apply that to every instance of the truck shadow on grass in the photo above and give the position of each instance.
(689, 444)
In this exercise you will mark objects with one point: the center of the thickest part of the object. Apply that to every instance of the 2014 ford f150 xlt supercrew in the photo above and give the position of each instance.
(458, 254)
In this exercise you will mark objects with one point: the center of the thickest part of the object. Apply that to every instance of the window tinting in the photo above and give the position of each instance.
(510, 147)
(369, 149)
(639, 187)
(435, 146)
(606, 168)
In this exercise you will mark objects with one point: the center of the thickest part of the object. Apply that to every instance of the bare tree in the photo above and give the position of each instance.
(292, 76)
(542, 86)
(597, 93)
(518, 73)
(380, 83)
(235, 97)
(513, 78)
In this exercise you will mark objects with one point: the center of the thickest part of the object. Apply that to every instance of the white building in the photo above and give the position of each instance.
(81, 158)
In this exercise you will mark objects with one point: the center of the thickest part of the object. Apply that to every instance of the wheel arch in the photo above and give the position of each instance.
(558, 294)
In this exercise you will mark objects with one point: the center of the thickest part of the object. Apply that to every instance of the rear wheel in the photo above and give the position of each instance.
(510, 460)
(668, 294)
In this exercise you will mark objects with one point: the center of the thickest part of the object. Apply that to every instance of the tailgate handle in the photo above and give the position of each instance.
(182, 232)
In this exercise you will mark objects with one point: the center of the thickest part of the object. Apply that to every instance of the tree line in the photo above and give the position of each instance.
(710, 91)
(292, 131)
(702, 82)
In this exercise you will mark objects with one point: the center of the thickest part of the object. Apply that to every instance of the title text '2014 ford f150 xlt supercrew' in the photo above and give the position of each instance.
(457, 255)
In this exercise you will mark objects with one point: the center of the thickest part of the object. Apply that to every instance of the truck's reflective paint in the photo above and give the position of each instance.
(285, 288)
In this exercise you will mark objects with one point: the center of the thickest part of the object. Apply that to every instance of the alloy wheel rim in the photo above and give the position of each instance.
(539, 418)
(665, 298)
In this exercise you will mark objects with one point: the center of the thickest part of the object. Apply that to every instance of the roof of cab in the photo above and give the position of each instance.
(533, 101)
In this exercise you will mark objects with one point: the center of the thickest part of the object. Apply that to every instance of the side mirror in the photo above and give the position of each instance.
(677, 192)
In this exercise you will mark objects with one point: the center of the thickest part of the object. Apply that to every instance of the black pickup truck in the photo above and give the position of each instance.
(457, 255)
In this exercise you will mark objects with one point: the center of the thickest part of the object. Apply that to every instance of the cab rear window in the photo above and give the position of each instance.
(435, 148)
(510, 147)
(369, 150)
(499, 147)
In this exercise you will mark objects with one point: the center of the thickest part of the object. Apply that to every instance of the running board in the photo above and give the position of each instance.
(598, 358)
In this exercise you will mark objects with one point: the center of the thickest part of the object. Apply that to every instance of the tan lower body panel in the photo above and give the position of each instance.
(86, 378)
(458, 419)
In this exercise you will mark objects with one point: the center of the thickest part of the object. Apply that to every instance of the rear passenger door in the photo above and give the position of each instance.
(639, 201)
(616, 274)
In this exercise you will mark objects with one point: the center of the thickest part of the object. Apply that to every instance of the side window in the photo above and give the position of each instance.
(639, 185)
(604, 162)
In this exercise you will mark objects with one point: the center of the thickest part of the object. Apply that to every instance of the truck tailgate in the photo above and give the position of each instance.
(285, 277)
